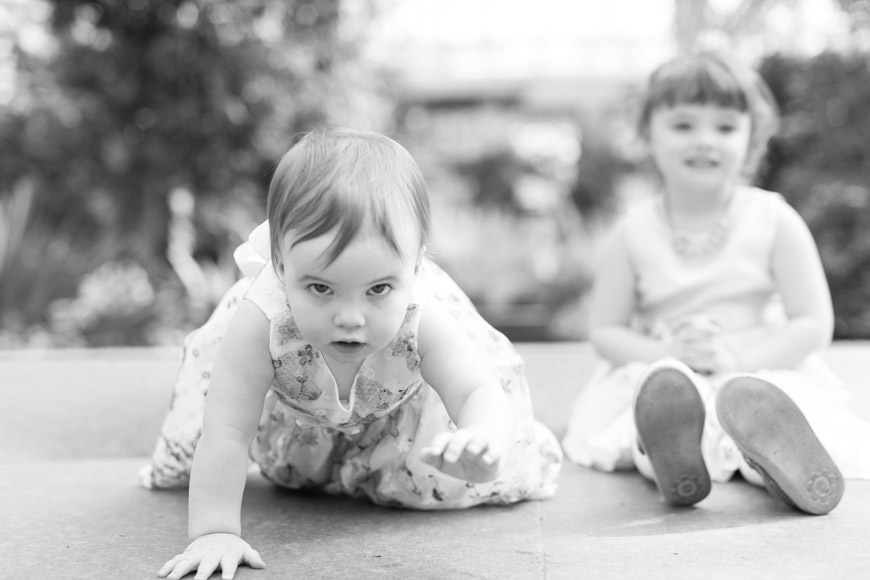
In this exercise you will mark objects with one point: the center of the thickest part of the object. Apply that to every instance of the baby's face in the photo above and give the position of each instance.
(354, 306)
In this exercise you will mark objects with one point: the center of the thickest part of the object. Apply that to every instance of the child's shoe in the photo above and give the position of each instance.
(669, 414)
(778, 442)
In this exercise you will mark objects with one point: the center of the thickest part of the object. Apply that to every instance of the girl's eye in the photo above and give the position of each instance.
(380, 289)
(682, 126)
(319, 289)
(726, 128)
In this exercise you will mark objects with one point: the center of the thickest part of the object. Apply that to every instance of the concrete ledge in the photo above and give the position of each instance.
(76, 425)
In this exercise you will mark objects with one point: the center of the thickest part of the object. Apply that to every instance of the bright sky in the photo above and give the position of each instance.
(476, 21)
(443, 41)
(501, 39)
(509, 38)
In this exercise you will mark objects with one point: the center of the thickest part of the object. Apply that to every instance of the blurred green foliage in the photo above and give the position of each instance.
(132, 100)
(129, 103)
(820, 161)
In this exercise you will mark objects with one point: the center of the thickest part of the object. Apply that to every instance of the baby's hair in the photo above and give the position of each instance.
(709, 78)
(345, 179)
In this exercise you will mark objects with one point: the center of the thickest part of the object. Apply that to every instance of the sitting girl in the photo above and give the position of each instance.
(709, 308)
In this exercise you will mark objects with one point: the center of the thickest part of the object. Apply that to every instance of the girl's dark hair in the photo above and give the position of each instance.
(344, 179)
(708, 78)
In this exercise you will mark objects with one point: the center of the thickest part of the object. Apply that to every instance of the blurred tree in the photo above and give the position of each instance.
(134, 100)
(821, 162)
(734, 19)
(858, 12)
(594, 191)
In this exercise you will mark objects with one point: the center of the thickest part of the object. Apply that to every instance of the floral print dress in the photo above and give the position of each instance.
(367, 446)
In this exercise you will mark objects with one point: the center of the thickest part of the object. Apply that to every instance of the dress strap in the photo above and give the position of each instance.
(267, 292)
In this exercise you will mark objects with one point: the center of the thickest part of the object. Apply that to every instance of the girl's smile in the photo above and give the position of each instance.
(702, 163)
(699, 148)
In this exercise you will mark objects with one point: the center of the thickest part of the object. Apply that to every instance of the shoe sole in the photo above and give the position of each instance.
(669, 415)
(776, 439)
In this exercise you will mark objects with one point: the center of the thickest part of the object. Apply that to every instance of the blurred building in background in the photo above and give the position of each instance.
(530, 105)
(577, 53)
(137, 140)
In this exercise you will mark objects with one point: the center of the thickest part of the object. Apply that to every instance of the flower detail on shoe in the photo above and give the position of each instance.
(686, 486)
(822, 486)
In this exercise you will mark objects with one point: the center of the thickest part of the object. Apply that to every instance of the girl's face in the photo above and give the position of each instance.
(699, 148)
(355, 305)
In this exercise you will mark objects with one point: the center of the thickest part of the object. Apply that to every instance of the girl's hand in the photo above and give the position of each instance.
(465, 455)
(709, 356)
(210, 552)
(697, 342)
(722, 358)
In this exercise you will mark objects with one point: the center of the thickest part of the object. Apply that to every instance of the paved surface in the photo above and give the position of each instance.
(76, 425)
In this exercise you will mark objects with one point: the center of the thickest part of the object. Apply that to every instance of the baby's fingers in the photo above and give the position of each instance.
(252, 558)
(208, 565)
(480, 449)
(177, 567)
(457, 445)
(438, 445)
(167, 567)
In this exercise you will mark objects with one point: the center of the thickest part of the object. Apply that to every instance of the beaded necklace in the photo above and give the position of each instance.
(696, 245)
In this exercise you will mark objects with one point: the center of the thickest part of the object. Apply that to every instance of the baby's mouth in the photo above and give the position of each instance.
(348, 346)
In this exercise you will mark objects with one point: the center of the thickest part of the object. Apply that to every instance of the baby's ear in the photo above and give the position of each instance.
(422, 254)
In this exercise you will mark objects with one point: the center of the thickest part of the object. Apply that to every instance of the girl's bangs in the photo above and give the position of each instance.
(701, 84)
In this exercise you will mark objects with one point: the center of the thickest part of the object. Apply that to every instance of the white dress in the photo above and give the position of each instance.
(735, 287)
(367, 446)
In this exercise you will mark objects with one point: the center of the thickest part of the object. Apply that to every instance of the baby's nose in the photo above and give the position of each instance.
(349, 317)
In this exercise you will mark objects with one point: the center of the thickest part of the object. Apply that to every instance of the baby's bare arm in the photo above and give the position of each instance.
(475, 401)
(240, 379)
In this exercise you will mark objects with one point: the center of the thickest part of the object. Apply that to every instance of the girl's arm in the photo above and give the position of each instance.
(473, 397)
(239, 381)
(800, 279)
(612, 307)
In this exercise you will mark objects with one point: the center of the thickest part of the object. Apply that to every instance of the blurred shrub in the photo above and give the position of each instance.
(820, 161)
(127, 102)
(528, 274)
(599, 169)
(39, 265)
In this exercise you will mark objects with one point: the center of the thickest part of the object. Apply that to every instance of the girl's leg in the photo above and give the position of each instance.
(779, 444)
(670, 414)
(750, 474)
(642, 463)
(173, 454)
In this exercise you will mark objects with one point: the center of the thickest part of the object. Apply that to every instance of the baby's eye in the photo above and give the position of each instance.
(319, 289)
(380, 289)
(726, 128)
(682, 126)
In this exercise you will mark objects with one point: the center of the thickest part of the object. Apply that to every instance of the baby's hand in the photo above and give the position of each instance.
(210, 552)
(465, 455)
